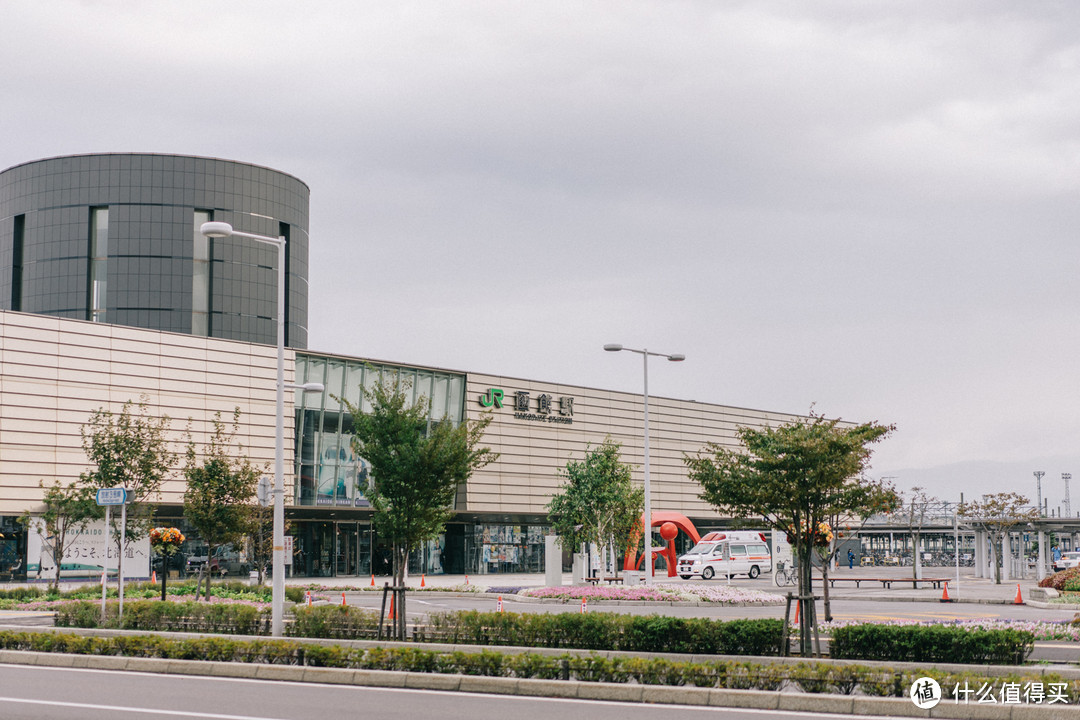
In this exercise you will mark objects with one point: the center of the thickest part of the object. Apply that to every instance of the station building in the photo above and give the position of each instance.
(82, 328)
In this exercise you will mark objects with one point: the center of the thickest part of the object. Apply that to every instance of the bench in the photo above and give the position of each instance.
(609, 580)
(887, 582)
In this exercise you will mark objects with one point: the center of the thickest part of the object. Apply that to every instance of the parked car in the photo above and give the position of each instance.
(1068, 560)
(226, 561)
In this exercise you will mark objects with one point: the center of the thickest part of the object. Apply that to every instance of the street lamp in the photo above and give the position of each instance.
(676, 357)
(221, 230)
(1038, 489)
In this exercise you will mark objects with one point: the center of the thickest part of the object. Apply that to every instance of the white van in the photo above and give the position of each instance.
(727, 553)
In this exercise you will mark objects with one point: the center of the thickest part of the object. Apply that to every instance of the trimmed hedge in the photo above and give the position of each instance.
(608, 631)
(228, 618)
(592, 631)
(810, 677)
(343, 622)
(931, 643)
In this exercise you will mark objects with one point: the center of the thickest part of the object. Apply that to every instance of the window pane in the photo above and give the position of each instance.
(200, 276)
(354, 381)
(438, 397)
(335, 380)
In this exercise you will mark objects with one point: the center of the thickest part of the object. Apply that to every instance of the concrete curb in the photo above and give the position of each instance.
(612, 692)
(1069, 670)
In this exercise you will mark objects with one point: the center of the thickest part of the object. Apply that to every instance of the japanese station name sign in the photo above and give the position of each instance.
(542, 407)
(112, 496)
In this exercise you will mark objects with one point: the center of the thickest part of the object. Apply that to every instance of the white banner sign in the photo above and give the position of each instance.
(84, 555)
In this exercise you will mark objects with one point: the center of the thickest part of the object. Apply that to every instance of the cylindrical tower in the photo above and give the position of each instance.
(115, 238)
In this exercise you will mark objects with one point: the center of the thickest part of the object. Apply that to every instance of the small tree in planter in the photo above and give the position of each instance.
(165, 542)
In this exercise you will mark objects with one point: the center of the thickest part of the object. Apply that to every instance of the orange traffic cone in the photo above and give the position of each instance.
(584, 605)
(153, 576)
(945, 594)
(373, 580)
(392, 615)
(342, 599)
(797, 606)
(1019, 600)
(308, 595)
(422, 584)
(498, 608)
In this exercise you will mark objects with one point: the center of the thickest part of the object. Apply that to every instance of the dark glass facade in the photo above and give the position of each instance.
(114, 238)
(328, 473)
(341, 540)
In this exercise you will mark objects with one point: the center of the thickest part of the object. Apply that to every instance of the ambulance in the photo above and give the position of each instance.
(727, 553)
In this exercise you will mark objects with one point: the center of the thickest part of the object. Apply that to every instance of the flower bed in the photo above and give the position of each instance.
(721, 594)
(338, 589)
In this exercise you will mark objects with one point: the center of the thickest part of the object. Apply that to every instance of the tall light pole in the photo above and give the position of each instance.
(1038, 489)
(221, 230)
(1066, 477)
(615, 347)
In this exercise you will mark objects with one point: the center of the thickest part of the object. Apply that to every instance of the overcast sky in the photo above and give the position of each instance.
(870, 207)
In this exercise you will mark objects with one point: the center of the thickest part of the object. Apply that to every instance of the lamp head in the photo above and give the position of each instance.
(216, 229)
(677, 357)
(613, 347)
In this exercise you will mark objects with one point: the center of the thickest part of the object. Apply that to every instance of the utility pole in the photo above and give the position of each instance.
(1038, 488)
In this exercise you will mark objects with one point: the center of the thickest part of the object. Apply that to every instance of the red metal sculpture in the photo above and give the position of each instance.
(670, 524)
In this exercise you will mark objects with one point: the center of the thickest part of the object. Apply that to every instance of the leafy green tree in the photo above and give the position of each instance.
(261, 538)
(597, 503)
(881, 498)
(129, 450)
(795, 477)
(416, 468)
(916, 506)
(997, 514)
(68, 510)
(219, 501)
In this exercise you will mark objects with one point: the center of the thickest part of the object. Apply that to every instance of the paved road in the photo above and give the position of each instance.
(32, 693)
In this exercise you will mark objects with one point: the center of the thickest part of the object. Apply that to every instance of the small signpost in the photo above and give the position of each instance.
(109, 497)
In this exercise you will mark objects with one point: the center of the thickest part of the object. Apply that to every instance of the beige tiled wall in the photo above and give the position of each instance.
(532, 453)
(54, 373)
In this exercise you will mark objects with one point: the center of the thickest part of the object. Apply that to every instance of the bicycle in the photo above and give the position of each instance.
(785, 576)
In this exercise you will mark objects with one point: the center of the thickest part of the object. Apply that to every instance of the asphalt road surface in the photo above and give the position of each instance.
(33, 693)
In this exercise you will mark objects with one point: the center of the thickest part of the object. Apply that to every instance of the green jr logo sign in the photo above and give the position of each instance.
(492, 398)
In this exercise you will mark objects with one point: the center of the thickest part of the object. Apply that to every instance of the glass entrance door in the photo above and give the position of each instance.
(347, 539)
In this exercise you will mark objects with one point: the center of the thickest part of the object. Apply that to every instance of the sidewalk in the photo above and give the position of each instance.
(970, 588)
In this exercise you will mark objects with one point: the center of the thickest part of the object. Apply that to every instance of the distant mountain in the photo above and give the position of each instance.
(980, 477)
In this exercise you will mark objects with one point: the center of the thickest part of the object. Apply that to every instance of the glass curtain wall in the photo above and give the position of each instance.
(492, 548)
(328, 472)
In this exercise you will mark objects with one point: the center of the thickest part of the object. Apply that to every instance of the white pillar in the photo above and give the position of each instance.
(980, 555)
(552, 561)
(1040, 569)
(1006, 557)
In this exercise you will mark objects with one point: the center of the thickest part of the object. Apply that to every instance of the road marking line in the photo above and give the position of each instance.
(118, 708)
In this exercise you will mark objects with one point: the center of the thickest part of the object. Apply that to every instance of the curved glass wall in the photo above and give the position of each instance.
(327, 471)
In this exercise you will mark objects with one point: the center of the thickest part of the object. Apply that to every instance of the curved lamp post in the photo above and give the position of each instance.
(221, 230)
(675, 357)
